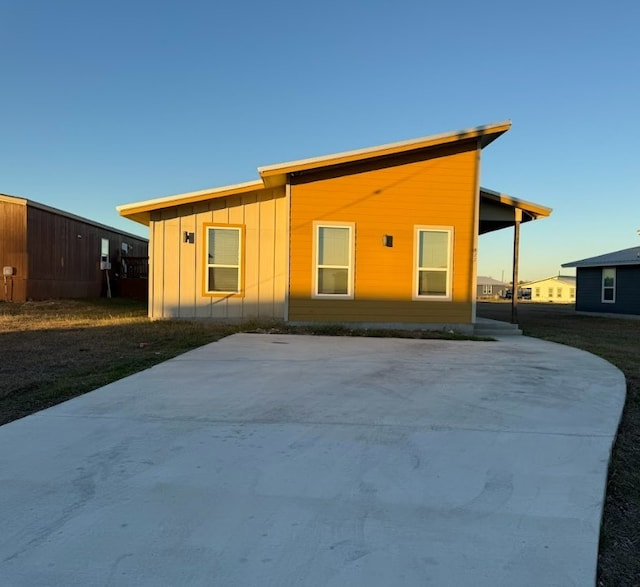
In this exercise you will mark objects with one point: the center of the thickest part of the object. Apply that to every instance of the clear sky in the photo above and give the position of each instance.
(109, 103)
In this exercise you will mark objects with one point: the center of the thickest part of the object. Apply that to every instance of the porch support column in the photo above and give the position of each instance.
(516, 253)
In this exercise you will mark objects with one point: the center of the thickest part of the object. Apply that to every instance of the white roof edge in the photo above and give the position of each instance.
(247, 185)
(373, 150)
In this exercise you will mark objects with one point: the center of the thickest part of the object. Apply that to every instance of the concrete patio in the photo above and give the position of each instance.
(277, 460)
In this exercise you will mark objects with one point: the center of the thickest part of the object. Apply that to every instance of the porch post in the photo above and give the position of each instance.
(516, 252)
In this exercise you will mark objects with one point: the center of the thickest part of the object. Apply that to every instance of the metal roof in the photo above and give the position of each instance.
(566, 279)
(26, 202)
(624, 257)
(273, 175)
(497, 209)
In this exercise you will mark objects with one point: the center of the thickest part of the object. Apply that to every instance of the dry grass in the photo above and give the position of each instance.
(55, 350)
(618, 341)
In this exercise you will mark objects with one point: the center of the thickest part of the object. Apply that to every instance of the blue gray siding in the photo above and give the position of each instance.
(589, 290)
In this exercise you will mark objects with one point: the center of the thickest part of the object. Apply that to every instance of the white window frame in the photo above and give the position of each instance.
(317, 225)
(613, 287)
(487, 290)
(416, 261)
(239, 265)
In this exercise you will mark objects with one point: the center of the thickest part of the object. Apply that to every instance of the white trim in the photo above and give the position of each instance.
(351, 226)
(416, 260)
(613, 288)
(399, 146)
(210, 265)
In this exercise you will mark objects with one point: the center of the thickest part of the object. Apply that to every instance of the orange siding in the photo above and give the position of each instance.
(438, 191)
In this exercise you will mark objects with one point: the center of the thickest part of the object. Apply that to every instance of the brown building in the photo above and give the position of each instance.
(47, 253)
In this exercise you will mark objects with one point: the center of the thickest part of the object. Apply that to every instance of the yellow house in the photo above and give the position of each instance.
(383, 235)
(560, 289)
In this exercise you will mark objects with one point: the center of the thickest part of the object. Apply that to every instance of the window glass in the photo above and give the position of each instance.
(333, 260)
(223, 260)
(609, 284)
(433, 271)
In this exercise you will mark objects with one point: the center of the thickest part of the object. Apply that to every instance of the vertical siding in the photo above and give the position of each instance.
(179, 268)
(13, 249)
(64, 255)
(438, 191)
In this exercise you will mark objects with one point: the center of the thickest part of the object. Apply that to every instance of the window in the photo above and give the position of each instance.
(224, 254)
(550, 292)
(487, 290)
(609, 285)
(333, 266)
(559, 292)
(433, 263)
(572, 292)
(537, 292)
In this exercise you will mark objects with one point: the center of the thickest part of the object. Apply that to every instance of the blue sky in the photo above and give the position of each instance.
(108, 103)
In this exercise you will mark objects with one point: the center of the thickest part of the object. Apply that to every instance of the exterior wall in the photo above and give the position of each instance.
(552, 290)
(54, 255)
(64, 256)
(13, 249)
(436, 190)
(627, 290)
(177, 271)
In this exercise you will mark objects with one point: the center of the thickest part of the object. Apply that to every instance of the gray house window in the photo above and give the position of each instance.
(609, 285)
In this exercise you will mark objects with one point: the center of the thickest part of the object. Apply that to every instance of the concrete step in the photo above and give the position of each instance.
(486, 327)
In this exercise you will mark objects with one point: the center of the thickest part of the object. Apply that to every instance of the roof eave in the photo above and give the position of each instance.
(534, 210)
(141, 211)
(274, 175)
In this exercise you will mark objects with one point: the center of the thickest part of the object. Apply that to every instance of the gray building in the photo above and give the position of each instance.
(609, 283)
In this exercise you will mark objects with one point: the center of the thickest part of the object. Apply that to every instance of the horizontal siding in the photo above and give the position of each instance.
(589, 290)
(178, 272)
(440, 191)
(380, 310)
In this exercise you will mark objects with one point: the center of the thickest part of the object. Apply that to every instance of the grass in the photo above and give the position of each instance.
(618, 341)
(55, 350)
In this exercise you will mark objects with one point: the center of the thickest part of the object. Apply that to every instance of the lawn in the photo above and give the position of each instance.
(55, 350)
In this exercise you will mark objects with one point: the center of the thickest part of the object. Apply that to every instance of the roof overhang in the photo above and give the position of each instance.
(141, 211)
(629, 256)
(274, 175)
(499, 210)
(496, 209)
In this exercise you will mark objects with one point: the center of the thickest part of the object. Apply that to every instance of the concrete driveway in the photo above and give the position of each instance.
(275, 460)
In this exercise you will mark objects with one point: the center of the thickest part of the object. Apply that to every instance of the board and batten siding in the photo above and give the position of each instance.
(177, 269)
(437, 191)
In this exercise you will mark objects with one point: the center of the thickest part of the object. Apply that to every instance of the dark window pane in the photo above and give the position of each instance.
(333, 281)
(433, 283)
(224, 279)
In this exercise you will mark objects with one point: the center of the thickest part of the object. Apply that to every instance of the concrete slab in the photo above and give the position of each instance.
(294, 460)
